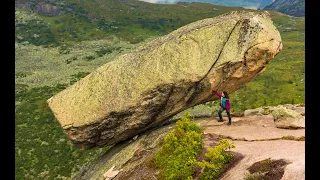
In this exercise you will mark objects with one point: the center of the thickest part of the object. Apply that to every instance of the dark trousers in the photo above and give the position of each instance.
(228, 113)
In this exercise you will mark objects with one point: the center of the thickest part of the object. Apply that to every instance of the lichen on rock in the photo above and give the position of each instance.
(144, 88)
(287, 118)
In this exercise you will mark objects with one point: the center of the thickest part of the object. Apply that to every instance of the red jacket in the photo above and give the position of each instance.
(227, 101)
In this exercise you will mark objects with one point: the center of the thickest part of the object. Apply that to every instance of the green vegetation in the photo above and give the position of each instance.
(217, 157)
(209, 108)
(178, 154)
(42, 150)
(301, 138)
(177, 157)
(133, 21)
(78, 76)
(38, 66)
(266, 169)
(72, 28)
(278, 113)
(32, 29)
(254, 176)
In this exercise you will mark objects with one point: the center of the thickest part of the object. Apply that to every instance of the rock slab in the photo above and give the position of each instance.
(144, 88)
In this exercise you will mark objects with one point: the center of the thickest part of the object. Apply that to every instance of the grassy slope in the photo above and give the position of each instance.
(51, 66)
(42, 150)
(130, 20)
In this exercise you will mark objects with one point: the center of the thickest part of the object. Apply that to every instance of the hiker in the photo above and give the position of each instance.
(224, 105)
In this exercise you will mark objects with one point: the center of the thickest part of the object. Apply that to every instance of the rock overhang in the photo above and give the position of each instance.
(142, 89)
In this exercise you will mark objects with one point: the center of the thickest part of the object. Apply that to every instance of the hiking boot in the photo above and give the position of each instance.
(229, 123)
(220, 120)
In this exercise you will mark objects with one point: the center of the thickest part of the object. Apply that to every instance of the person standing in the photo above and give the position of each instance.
(224, 104)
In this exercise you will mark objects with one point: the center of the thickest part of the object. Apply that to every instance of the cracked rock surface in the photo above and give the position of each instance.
(144, 88)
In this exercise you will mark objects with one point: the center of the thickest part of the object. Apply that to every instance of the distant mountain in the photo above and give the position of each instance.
(251, 4)
(265, 3)
(290, 7)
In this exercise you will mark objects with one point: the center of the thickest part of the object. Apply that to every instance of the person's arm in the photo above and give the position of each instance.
(216, 93)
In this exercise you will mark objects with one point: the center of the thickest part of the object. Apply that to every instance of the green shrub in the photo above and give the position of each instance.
(78, 76)
(177, 157)
(217, 158)
(178, 154)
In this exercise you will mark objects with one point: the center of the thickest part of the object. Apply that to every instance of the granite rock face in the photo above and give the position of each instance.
(142, 89)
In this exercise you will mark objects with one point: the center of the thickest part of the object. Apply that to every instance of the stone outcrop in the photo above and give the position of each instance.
(284, 116)
(299, 108)
(144, 88)
(287, 118)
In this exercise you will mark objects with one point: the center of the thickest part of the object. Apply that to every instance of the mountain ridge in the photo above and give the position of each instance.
(290, 7)
(253, 4)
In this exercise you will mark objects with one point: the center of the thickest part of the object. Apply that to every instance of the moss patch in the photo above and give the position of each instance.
(267, 169)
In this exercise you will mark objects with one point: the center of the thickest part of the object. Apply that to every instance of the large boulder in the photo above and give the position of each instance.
(287, 118)
(144, 88)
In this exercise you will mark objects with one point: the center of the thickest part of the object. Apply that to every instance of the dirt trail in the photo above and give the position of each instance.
(257, 138)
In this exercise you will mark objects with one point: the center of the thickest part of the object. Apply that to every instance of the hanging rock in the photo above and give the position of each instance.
(144, 88)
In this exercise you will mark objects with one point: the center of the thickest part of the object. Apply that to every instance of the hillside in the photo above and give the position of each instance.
(290, 7)
(251, 4)
(71, 21)
(55, 50)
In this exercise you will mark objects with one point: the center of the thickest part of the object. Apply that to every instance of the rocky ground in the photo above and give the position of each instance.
(256, 136)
